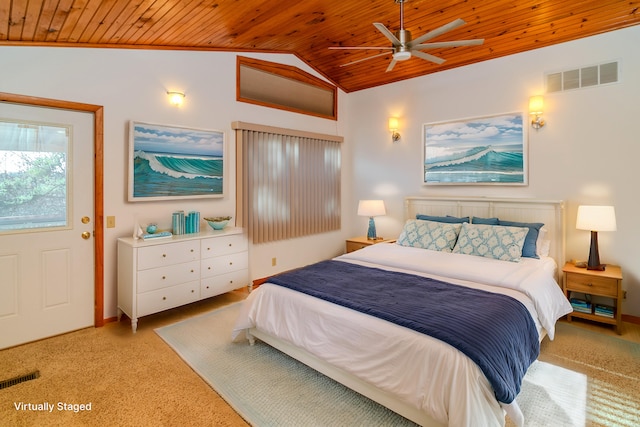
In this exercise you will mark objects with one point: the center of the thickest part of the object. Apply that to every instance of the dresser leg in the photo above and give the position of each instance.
(134, 325)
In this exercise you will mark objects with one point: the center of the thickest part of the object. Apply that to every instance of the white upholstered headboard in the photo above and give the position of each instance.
(549, 212)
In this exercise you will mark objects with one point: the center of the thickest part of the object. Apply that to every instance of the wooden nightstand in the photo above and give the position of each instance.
(607, 283)
(356, 243)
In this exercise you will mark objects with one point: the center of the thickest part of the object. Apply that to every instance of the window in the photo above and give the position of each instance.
(288, 182)
(33, 175)
(284, 87)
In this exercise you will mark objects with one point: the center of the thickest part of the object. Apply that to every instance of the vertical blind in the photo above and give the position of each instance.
(288, 182)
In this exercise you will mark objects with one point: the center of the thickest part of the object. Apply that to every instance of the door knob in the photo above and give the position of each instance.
(86, 235)
(85, 220)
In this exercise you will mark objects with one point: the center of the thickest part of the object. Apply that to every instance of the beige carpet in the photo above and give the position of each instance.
(137, 380)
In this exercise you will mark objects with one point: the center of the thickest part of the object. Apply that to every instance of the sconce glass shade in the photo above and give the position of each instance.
(536, 105)
(176, 98)
(594, 219)
(371, 208)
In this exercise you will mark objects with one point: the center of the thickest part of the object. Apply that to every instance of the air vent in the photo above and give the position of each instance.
(17, 380)
(588, 76)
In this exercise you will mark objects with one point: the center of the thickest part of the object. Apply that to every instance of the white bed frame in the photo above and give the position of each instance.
(549, 212)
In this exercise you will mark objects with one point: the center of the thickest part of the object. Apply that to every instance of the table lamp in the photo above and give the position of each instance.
(594, 219)
(371, 208)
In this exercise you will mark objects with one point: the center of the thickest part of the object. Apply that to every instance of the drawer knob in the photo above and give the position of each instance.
(164, 298)
(230, 244)
(208, 268)
(230, 263)
(589, 284)
(192, 291)
(164, 277)
(192, 270)
(207, 287)
(208, 249)
(164, 255)
(191, 250)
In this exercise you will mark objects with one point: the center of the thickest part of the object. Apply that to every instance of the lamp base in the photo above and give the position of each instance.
(594, 255)
(371, 232)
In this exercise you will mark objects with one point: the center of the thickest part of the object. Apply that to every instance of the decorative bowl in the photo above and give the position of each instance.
(219, 222)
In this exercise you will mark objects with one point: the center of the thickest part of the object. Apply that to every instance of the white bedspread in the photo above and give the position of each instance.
(425, 372)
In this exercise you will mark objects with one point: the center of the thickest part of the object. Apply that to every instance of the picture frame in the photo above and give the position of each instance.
(173, 162)
(481, 150)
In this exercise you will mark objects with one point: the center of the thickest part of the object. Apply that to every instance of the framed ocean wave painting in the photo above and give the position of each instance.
(483, 150)
(170, 162)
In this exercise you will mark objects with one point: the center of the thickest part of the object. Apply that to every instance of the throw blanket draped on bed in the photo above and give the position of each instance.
(501, 337)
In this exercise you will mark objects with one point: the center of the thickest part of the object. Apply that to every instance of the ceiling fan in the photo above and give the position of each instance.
(404, 47)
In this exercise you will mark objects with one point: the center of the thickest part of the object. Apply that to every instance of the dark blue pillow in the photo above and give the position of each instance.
(445, 219)
(488, 221)
(529, 247)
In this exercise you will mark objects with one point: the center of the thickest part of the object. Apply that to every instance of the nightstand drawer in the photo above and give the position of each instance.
(592, 285)
(353, 246)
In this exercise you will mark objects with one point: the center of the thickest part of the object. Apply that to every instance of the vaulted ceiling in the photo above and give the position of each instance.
(307, 28)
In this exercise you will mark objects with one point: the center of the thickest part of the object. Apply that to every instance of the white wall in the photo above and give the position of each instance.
(586, 154)
(132, 85)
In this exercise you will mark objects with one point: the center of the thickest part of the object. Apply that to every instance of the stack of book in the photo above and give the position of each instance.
(604, 310)
(581, 305)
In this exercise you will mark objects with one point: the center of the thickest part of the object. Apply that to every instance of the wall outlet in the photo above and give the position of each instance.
(111, 222)
(273, 262)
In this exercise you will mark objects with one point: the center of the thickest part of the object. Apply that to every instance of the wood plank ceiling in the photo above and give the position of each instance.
(307, 28)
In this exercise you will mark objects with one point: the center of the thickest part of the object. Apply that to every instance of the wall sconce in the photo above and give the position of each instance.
(393, 127)
(536, 107)
(176, 98)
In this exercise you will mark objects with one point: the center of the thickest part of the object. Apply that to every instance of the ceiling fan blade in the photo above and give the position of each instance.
(427, 56)
(440, 30)
(361, 47)
(455, 43)
(364, 59)
(391, 65)
(388, 34)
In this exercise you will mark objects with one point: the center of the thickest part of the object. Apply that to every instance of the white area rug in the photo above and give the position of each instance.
(268, 388)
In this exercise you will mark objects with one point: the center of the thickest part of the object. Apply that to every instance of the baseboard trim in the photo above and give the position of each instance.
(631, 319)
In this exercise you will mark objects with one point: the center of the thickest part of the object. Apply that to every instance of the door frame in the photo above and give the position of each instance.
(98, 184)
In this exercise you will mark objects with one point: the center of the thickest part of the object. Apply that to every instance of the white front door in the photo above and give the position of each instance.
(46, 222)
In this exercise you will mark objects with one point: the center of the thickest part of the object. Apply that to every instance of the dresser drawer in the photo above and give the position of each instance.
(163, 255)
(164, 299)
(592, 285)
(215, 246)
(224, 264)
(222, 283)
(163, 277)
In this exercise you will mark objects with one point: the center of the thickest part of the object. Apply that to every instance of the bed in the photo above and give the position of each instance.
(431, 378)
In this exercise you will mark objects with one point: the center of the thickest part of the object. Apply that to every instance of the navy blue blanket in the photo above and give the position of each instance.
(493, 330)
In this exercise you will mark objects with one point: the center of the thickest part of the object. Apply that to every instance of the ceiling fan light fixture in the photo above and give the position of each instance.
(402, 55)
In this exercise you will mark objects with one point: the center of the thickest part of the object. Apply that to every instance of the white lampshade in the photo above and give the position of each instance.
(371, 208)
(596, 218)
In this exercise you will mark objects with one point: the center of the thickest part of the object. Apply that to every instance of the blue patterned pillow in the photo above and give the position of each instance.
(529, 249)
(491, 241)
(436, 236)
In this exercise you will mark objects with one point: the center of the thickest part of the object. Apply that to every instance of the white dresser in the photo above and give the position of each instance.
(159, 274)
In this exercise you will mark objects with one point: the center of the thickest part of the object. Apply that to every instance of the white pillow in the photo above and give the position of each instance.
(491, 241)
(543, 244)
(432, 235)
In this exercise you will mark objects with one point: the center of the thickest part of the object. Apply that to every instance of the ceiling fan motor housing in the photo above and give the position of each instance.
(402, 52)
